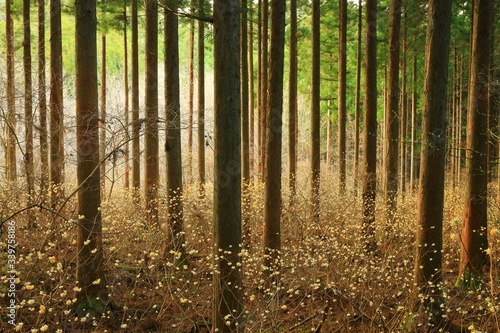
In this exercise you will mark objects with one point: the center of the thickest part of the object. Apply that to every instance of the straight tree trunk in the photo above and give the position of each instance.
(358, 98)
(102, 118)
(474, 261)
(342, 94)
(315, 112)
(93, 294)
(251, 107)
(190, 101)
(201, 102)
(56, 104)
(260, 107)
(28, 105)
(414, 106)
(370, 132)
(428, 258)
(227, 179)
(244, 95)
(292, 102)
(403, 132)
(272, 205)
(265, 83)
(42, 103)
(151, 158)
(11, 96)
(126, 101)
(392, 114)
(136, 126)
(173, 143)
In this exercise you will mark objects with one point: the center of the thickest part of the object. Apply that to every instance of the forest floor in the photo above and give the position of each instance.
(326, 284)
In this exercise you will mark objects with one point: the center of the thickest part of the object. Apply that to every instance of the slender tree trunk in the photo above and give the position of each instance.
(227, 183)
(28, 105)
(93, 294)
(342, 94)
(42, 103)
(56, 103)
(292, 102)
(413, 171)
(358, 98)
(201, 102)
(272, 205)
(173, 143)
(126, 102)
(151, 158)
(190, 101)
(136, 126)
(428, 258)
(260, 107)
(403, 132)
(392, 114)
(11, 97)
(474, 259)
(265, 82)
(251, 107)
(102, 119)
(370, 132)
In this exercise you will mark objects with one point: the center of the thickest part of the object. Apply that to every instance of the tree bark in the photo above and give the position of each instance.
(173, 143)
(292, 102)
(358, 98)
(42, 103)
(126, 101)
(272, 205)
(201, 102)
(315, 112)
(102, 118)
(11, 96)
(56, 103)
(136, 126)
(342, 94)
(151, 120)
(392, 114)
(93, 294)
(227, 183)
(190, 101)
(370, 131)
(474, 260)
(428, 258)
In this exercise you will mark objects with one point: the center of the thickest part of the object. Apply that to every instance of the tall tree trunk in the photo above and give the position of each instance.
(93, 294)
(136, 126)
(260, 107)
(428, 258)
(392, 114)
(358, 98)
(265, 83)
(126, 101)
(189, 175)
(474, 259)
(315, 112)
(292, 102)
(342, 94)
(403, 132)
(102, 118)
(28, 105)
(42, 103)
(201, 102)
(173, 143)
(227, 181)
(272, 205)
(370, 132)
(251, 107)
(56, 103)
(151, 158)
(11, 96)
(414, 106)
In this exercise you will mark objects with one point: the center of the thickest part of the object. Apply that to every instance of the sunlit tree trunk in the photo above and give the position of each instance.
(342, 94)
(56, 103)
(136, 126)
(474, 259)
(201, 101)
(11, 96)
(102, 119)
(315, 112)
(357, 106)
(126, 101)
(151, 158)
(292, 102)
(42, 103)
(189, 174)
(251, 107)
(265, 83)
(93, 294)
(428, 258)
(392, 114)
(227, 179)
(370, 132)
(173, 143)
(413, 167)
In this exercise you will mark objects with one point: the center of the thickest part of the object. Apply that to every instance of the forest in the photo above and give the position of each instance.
(249, 166)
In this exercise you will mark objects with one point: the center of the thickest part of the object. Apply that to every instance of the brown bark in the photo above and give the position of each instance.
(173, 142)
(403, 128)
(265, 83)
(392, 114)
(102, 117)
(414, 106)
(370, 131)
(227, 183)
(151, 120)
(126, 101)
(292, 102)
(244, 94)
(56, 103)
(428, 258)
(11, 96)
(42, 103)
(357, 98)
(272, 205)
(342, 94)
(136, 126)
(474, 259)
(89, 261)
(315, 112)
(201, 101)
(190, 101)
(251, 118)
